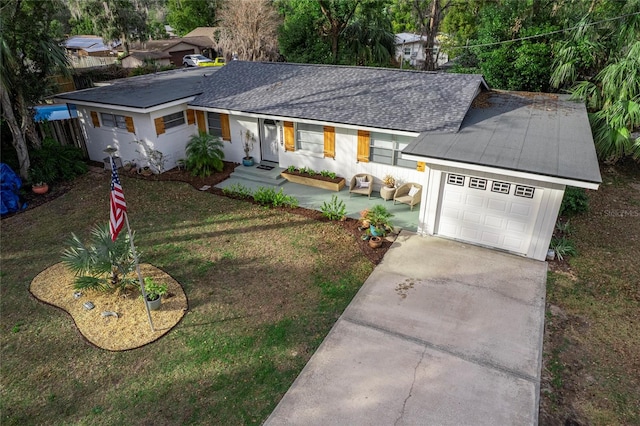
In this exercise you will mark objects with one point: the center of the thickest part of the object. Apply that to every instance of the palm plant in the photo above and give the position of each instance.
(102, 264)
(204, 154)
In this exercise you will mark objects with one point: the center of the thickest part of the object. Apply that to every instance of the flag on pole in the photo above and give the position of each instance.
(118, 205)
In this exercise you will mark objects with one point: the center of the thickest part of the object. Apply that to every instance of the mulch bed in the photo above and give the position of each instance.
(350, 225)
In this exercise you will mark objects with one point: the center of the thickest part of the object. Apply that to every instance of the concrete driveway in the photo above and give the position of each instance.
(441, 333)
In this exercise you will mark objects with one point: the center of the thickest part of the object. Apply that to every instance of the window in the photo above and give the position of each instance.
(477, 183)
(407, 51)
(500, 187)
(113, 120)
(310, 137)
(173, 120)
(524, 191)
(213, 122)
(455, 180)
(386, 148)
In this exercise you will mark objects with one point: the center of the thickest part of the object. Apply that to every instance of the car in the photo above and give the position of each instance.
(218, 62)
(197, 61)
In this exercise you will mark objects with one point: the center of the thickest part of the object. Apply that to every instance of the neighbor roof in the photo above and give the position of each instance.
(413, 101)
(145, 91)
(540, 133)
(88, 43)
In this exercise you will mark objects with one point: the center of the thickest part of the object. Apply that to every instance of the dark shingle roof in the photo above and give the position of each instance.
(540, 133)
(370, 97)
(145, 91)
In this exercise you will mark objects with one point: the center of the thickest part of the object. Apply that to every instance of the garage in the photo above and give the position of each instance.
(492, 213)
(498, 180)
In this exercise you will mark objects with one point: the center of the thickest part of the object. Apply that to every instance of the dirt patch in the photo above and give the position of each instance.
(117, 322)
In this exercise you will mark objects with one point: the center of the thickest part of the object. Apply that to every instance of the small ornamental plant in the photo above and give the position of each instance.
(389, 181)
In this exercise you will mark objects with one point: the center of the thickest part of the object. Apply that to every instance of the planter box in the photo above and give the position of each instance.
(331, 185)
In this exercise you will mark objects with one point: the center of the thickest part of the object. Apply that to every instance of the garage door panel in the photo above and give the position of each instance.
(471, 217)
(475, 200)
(497, 205)
(491, 218)
(494, 221)
(491, 238)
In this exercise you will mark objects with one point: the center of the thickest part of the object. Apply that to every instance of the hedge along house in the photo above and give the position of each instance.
(494, 170)
(146, 117)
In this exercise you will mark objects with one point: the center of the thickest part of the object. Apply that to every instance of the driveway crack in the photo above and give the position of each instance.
(415, 373)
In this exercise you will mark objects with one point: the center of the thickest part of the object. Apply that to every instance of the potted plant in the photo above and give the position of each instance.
(379, 220)
(247, 146)
(128, 165)
(389, 181)
(38, 180)
(154, 291)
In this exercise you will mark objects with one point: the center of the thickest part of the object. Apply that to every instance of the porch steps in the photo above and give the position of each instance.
(254, 174)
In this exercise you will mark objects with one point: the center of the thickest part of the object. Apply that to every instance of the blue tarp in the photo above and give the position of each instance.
(55, 112)
(10, 184)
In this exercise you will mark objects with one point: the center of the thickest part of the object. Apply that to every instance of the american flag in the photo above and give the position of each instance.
(118, 205)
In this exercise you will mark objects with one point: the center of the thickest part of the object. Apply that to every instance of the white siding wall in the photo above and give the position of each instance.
(345, 164)
(136, 146)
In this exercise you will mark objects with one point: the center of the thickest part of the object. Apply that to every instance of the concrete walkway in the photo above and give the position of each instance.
(441, 333)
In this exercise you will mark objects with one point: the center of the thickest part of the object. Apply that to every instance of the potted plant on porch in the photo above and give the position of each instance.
(379, 221)
(248, 141)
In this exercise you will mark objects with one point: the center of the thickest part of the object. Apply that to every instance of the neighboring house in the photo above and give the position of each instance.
(137, 59)
(494, 164)
(203, 32)
(176, 47)
(410, 48)
(85, 51)
(88, 45)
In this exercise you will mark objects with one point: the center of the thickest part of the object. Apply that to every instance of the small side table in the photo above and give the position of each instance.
(387, 193)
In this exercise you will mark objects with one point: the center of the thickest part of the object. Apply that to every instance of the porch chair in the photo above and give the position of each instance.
(409, 193)
(361, 183)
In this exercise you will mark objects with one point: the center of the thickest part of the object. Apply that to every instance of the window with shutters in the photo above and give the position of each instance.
(310, 137)
(173, 120)
(113, 120)
(214, 124)
(386, 149)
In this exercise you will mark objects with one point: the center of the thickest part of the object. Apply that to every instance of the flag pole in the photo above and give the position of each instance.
(110, 151)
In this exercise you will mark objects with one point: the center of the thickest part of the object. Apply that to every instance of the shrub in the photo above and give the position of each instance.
(204, 154)
(380, 218)
(54, 162)
(575, 201)
(237, 190)
(563, 247)
(102, 264)
(334, 210)
(327, 173)
(269, 197)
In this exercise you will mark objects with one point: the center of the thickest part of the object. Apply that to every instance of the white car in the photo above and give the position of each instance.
(197, 61)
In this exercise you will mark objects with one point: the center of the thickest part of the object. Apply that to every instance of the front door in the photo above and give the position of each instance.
(269, 141)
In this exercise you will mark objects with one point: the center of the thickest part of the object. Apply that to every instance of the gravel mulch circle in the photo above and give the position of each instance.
(130, 329)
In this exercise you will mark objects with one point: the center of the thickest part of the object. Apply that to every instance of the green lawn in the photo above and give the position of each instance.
(264, 288)
(592, 343)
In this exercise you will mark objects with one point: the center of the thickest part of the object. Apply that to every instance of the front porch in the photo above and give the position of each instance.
(313, 198)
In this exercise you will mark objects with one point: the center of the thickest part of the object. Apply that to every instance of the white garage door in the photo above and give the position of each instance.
(489, 212)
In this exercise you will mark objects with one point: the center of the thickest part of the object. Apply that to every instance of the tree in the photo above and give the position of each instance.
(505, 55)
(429, 14)
(601, 65)
(30, 55)
(123, 20)
(249, 28)
(186, 15)
(102, 264)
(369, 39)
(300, 36)
(337, 13)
